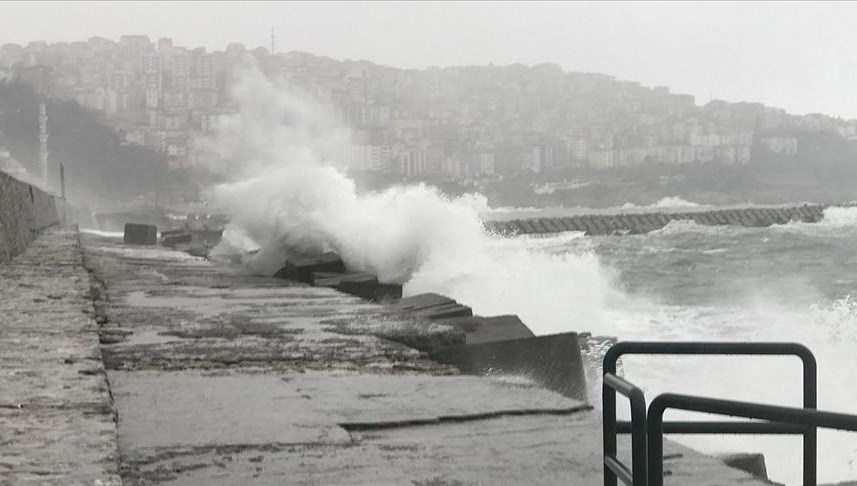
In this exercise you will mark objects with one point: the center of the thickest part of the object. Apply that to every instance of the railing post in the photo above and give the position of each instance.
(810, 401)
(655, 443)
(608, 417)
(639, 448)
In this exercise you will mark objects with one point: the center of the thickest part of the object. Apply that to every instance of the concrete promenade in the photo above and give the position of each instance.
(223, 378)
(57, 422)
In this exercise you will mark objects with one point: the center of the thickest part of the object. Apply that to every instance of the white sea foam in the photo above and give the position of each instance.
(840, 216)
(665, 203)
(286, 195)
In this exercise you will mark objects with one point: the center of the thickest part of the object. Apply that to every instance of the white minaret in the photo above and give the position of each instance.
(43, 142)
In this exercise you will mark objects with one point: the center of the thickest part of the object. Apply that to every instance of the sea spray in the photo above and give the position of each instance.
(286, 194)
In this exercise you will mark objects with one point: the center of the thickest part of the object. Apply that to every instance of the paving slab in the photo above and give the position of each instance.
(548, 449)
(252, 406)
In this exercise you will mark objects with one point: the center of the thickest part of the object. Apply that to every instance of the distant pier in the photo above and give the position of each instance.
(644, 222)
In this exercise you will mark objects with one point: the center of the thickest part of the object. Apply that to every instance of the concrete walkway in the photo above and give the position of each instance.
(221, 378)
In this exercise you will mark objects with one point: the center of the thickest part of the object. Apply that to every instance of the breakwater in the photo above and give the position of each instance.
(24, 212)
(638, 223)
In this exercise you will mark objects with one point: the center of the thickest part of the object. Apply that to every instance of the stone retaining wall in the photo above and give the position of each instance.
(637, 223)
(24, 212)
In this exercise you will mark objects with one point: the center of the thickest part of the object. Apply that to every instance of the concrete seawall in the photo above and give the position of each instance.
(638, 223)
(24, 212)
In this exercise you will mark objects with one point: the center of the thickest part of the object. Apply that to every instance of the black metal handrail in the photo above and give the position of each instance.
(614, 469)
(803, 418)
(611, 427)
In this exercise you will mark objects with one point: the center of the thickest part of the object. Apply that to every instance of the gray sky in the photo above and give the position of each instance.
(799, 56)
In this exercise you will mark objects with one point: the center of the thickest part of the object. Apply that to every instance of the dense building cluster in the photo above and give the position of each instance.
(459, 122)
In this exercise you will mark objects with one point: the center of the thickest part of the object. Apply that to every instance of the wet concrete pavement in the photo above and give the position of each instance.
(223, 378)
(57, 423)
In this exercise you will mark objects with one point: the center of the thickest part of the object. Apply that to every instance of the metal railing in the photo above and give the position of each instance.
(642, 456)
(614, 469)
(808, 419)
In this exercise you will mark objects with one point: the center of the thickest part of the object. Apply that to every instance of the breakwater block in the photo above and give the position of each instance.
(175, 240)
(172, 232)
(140, 234)
(431, 306)
(372, 291)
(444, 311)
(301, 269)
(359, 284)
(419, 302)
(478, 329)
(753, 463)
(332, 279)
(552, 361)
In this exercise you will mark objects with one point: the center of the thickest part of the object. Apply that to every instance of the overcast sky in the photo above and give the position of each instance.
(799, 56)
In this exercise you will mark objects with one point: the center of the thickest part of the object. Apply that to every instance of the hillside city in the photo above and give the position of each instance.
(521, 135)
(456, 122)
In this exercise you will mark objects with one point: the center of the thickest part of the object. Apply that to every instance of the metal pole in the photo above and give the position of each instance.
(62, 192)
(810, 437)
(608, 420)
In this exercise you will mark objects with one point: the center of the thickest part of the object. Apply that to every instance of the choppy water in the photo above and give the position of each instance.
(794, 282)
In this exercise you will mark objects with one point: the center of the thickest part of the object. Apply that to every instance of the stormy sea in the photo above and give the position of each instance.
(284, 191)
(792, 282)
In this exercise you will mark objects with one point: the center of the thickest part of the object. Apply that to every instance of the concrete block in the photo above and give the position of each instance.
(552, 361)
(732, 217)
(480, 329)
(550, 225)
(749, 219)
(359, 284)
(332, 279)
(175, 240)
(783, 216)
(301, 269)
(444, 311)
(208, 234)
(753, 463)
(816, 213)
(601, 225)
(420, 301)
(172, 232)
(803, 213)
(564, 224)
(538, 227)
(628, 224)
(652, 222)
(613, 224)
(704, 218)
(526, 226)
(372, 290)
(770, 216)
(575, 223)
(140, 234)
(588, 226)
(663, 219)
(792, 214)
